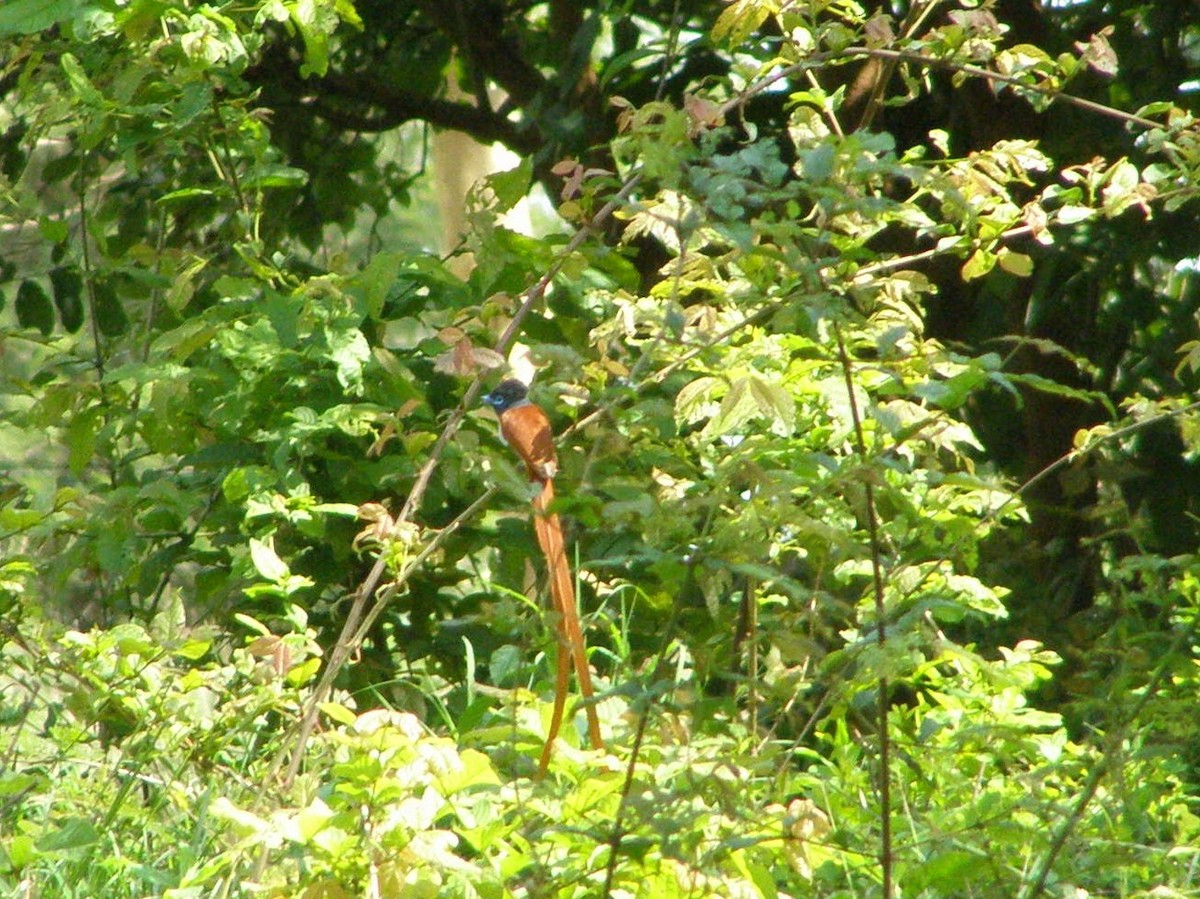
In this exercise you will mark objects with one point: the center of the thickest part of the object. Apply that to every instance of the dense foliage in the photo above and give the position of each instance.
(870, 333)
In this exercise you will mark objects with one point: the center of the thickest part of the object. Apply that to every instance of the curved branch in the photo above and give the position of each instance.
(397, 107)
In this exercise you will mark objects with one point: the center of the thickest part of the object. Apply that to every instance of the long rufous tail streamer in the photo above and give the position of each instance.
(562, 592)
(526, 428)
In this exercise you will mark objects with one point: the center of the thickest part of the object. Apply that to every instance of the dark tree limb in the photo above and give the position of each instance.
(477, 29)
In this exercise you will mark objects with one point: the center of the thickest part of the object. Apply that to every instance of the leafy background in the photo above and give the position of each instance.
(870, 332)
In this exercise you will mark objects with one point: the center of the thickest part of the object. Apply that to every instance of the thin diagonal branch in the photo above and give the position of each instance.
(817, 60)
(359, 618)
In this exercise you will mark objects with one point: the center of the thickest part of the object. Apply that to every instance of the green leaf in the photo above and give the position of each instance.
(81, 439)
(737, 408)
(1015, 263)
(350, 351)
(253, 623)
(511, 187)
(1055, 388)
(304, 672)
(183, 196)
(276, 175)
(34, 309)
(949, 872)
(193, 650)
(1070, 215)
(316, 21)
(32, 16)
(12, 784)
(505, 665)
(266, 561)
(68, 297)
(60, 168)
(54, 230)
(179, 344)
(73, 834)
(620, 63)
(739, 20)
(338, 712)
(978, 264)
(692, 400)
(79, 81)
(19, 519)
(21, 851)
(377, 279)
(474, 770)
(775, 403)
(110, 314)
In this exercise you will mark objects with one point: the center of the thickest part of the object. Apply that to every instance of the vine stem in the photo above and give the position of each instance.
(885, 743)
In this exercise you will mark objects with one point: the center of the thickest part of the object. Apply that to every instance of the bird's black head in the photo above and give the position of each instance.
(506, 395)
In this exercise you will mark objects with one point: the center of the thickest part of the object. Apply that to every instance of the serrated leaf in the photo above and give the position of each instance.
(737, 407)
(689, 402)
(79, 81)
(775, 403)
(511, 187)
(740, 19)
(1054, 388)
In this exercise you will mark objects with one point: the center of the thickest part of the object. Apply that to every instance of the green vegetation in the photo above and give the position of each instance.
(871, 334)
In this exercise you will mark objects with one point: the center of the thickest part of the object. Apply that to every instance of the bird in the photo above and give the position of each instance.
(525, 427)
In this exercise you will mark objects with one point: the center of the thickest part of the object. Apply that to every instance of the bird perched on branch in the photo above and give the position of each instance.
(525, 428)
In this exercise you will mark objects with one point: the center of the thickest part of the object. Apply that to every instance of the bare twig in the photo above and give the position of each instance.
(817, 60)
